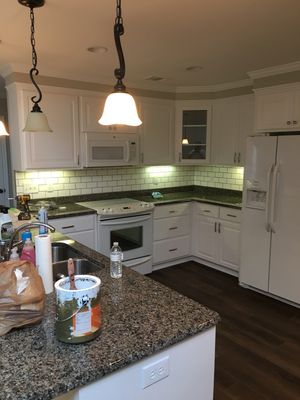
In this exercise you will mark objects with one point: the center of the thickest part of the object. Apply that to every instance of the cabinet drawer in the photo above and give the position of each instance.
(171, 227)
(169, 249)
(171, 210)
(73, 224)
(230, 214)
(207, 209)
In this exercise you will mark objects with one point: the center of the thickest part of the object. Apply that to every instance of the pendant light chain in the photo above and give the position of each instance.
(34, 69)
(119, 19)
(118, 32)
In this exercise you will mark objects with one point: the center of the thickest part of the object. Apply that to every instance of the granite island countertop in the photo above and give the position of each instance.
(139, 318)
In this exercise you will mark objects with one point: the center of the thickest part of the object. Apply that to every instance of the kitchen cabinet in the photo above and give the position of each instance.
(216, 234)
(232, 122)
(277, 108)
(192, 132)
(57, 149)
(91, 108)
(157, 132)
(81, 228)
(171, 232)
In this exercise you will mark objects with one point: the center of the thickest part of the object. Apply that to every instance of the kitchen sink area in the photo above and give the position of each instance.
(61, 252)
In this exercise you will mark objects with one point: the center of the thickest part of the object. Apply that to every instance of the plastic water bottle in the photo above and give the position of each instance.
(116, 257)
(43, 217)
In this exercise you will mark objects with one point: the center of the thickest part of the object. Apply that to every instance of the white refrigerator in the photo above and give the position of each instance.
(270, 237)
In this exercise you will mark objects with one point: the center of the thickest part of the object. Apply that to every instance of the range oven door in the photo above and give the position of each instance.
(134, 235)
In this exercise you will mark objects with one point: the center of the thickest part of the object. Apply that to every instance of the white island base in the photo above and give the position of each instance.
(184, 371)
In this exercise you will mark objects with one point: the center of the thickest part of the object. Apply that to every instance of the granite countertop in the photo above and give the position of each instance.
(139, 318)
(175, 197)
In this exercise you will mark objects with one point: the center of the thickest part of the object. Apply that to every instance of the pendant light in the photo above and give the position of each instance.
(184, 137)
(36, 119)
(3, 131)
(120, 107)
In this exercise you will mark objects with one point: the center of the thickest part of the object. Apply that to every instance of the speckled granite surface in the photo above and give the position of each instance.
(225, 197)
(140, 317)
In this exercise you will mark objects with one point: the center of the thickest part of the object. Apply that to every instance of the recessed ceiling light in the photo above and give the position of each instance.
(155, 78)
(194, 68)
(97, 49)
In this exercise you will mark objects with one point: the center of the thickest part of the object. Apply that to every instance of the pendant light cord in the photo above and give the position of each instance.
(34, 70)
(118, 32)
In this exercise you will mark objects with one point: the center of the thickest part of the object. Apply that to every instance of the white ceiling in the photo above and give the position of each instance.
(227, 38)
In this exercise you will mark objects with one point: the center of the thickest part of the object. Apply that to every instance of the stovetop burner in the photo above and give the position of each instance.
(118, 207)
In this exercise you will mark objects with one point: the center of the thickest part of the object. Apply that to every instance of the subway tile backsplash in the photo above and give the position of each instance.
(44, 184)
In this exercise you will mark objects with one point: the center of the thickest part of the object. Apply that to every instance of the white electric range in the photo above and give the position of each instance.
(128, 222)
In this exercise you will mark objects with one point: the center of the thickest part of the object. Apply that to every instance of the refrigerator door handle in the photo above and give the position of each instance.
(268, 198)
(273, 198)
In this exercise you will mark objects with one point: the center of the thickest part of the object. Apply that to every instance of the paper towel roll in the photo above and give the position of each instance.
(43, 258)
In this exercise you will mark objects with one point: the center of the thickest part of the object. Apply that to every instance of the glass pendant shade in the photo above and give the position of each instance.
(120, 109)
(3, 131)
(37, 122)
(185, 141)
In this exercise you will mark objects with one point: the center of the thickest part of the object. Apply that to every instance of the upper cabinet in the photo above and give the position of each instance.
(232, 122)
(57, 149)
(157, 131)
(192, 135)
(277, 108)
(91, 108)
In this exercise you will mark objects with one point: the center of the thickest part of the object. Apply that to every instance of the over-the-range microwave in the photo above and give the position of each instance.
(105, 149)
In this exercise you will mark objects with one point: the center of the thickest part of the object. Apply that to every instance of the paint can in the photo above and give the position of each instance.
(78, 312)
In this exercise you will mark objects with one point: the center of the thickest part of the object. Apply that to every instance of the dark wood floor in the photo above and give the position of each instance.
(258, 338)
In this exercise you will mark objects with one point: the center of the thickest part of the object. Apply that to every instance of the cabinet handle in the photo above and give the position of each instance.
(78, 159)
(67, 227)
(173, 228)
(206, 211)
(295, 122)
(172, 211)
(219, 224)
(142, 158)
(239, 158)
(174, 249)
(215, 227)
(231, 215)
(234, 158)
(288, 122)
(179, 157)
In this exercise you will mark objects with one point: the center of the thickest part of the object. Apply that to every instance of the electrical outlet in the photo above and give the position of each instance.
(154, 372)
(31, 189)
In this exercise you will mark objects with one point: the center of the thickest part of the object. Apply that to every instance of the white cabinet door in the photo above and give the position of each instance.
(229, 244)
(273, 111)
(60, 148)
(91, 109)
(225, 130)
(192, 132)
(205, 238)
(232, 122)
(277, 108)
(157, 131)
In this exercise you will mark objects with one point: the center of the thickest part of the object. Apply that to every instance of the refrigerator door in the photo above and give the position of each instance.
(255, 234)
(285, 243)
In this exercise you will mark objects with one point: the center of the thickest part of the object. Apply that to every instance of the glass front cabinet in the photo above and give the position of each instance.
(193, 122)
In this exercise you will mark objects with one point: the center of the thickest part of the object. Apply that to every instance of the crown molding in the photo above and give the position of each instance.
(214, 88)
(276, 70)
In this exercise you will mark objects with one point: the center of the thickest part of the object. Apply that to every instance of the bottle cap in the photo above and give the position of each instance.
(26, 235)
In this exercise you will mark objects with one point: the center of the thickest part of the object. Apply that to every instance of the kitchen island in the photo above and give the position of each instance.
(142, 322)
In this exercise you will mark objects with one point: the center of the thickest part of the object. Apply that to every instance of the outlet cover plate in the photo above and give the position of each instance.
(155, 372)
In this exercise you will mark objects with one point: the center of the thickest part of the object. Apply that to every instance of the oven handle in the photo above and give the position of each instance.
(137, 261)
(125, 221)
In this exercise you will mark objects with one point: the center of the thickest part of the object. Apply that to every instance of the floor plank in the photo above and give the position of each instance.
(258, 338)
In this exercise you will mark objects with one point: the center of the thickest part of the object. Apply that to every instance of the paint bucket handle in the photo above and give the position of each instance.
(84, 303)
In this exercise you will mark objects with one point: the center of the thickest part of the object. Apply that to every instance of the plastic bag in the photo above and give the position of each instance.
(22, 295)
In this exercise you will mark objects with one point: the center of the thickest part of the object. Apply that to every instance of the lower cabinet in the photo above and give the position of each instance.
(81, 228)
(216, 234)
(171, 231)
